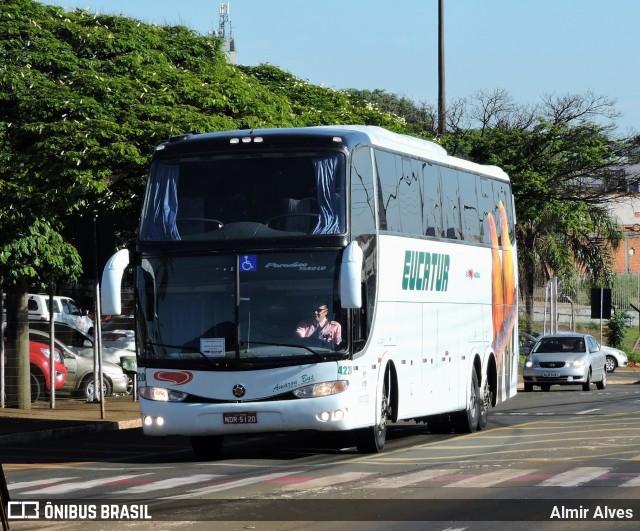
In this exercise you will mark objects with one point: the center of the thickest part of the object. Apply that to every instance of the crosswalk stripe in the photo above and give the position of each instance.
(328, 481)
(38, 483)
(79, 485)
(635, 482)
(574, 477)
(408, 479)
(169, 483)
(231, 485)
(490, 478)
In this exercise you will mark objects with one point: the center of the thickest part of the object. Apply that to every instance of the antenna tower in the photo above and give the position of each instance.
(229, 46)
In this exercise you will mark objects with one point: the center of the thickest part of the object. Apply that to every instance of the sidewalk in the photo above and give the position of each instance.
(68, 418)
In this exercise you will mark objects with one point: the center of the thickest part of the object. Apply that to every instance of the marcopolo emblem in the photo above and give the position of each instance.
(239, 390)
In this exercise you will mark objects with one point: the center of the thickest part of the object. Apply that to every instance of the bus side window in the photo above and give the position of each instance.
(469, 206)
(388, 179)
(485, 206)
(431, 213)
(362, 195)
(450, 204)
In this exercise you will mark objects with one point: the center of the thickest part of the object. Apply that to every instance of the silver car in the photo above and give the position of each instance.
(565, 359)
(80, 373)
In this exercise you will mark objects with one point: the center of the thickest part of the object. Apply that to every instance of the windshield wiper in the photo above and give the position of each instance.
(212, 362)
(317, 354)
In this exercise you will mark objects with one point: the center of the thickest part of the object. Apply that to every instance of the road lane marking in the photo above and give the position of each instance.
(574, 477)
(587, 411)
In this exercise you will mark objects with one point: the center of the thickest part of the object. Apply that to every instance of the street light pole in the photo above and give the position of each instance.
(442, 113)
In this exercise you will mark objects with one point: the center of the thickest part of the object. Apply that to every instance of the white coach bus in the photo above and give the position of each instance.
(336, 278)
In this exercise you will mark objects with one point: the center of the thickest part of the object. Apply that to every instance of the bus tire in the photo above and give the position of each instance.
(466, 421)
(207, 446)
(371, 440)
(484, 407)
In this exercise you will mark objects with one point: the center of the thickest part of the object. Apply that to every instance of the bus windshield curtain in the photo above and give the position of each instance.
(326, 173)
(162, 222)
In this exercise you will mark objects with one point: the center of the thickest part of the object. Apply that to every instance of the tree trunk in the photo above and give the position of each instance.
(17, 369)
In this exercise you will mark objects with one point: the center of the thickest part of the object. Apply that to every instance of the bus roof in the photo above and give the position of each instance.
(350, 135)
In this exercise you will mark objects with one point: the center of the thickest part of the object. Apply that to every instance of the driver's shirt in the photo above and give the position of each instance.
(328, 330)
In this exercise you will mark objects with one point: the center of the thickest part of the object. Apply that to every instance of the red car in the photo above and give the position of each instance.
(40, 370)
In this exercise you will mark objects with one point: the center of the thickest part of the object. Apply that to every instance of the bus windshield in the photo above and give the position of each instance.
(230, 197)
(223, 311)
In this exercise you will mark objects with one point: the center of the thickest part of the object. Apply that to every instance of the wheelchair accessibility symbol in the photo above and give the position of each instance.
(248, 262)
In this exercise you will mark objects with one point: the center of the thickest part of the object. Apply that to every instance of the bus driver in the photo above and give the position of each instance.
(320, 328)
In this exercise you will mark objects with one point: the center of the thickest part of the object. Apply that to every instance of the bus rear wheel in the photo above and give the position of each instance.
(466, 421)
(207, 446)
(371, 440)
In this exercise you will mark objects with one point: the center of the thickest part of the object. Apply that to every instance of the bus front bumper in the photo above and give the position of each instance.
(177, 418)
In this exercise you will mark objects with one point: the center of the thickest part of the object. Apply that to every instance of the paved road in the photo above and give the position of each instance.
(541, 447)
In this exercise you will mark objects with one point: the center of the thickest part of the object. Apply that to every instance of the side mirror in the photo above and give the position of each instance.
(112, 283)
(351, 276)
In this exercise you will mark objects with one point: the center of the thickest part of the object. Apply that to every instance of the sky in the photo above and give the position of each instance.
(528, 48)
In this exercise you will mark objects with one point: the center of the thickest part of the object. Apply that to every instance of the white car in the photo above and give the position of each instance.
(65, 310)
(83, 344)
(615, 358)
(119, 332)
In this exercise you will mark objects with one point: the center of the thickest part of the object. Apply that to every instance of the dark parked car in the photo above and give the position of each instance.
(525, 342)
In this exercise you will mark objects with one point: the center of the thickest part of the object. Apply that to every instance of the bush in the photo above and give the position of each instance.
(617, 327)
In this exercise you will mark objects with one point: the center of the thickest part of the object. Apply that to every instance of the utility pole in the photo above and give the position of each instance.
(442, 113)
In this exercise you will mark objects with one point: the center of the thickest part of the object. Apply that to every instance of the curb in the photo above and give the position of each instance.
(27, 437)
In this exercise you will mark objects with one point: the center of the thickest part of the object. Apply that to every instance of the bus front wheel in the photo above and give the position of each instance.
(371, 440)
(207, 446)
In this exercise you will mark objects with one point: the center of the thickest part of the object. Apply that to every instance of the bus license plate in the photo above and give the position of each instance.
(551, 374)
(240, 418)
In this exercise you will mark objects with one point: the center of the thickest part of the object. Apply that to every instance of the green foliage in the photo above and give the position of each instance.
(85, 99)
(616, 328)
(36, 256)
(314, 105)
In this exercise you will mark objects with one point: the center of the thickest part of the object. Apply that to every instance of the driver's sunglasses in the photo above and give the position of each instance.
(320, 310)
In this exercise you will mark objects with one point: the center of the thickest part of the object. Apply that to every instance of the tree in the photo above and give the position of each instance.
(420, 119)
(559, 155)
(37, 256)
(84, 101)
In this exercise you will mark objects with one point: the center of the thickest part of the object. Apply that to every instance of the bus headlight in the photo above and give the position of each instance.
(321, 389)
(160, 394)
